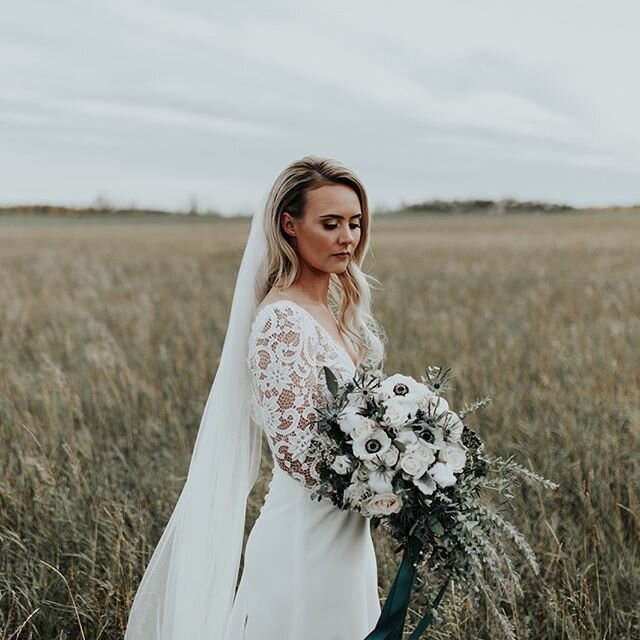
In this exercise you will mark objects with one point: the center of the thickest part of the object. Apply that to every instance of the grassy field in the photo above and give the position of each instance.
(110, 333)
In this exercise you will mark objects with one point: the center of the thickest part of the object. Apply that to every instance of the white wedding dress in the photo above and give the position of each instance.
(310, 569)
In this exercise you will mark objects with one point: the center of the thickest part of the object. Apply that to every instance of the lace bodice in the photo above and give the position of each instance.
(287, 349)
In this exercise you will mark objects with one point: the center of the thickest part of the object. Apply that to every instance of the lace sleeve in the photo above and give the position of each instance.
(284, 381)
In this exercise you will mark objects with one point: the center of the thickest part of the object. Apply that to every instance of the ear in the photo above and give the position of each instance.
(288, 224)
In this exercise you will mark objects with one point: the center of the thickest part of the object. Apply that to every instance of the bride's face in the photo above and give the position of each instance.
(330, 226)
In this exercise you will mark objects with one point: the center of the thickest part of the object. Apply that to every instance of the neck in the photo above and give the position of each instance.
(313, 285)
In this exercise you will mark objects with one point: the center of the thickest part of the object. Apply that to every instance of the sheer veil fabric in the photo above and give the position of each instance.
(188, 587)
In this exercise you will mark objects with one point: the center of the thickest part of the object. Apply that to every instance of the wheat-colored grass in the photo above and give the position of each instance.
(110, 334)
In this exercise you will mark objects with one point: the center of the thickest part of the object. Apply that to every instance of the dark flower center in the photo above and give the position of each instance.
(372, 446)
(428, 436)
(400, 389)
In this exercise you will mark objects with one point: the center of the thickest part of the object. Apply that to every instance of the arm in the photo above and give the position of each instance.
(284, 381)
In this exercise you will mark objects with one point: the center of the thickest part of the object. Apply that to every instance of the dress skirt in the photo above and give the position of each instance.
(310, 570)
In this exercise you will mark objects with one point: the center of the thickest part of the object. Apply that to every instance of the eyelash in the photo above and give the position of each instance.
(335, 226)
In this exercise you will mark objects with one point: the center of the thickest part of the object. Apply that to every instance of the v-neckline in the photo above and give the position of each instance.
(338, 344)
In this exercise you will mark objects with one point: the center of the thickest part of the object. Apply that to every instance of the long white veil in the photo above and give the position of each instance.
(188, 587)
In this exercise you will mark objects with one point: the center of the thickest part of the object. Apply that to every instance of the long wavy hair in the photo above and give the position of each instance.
(349, 291)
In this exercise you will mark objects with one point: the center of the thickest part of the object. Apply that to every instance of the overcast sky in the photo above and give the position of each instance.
(156, 103)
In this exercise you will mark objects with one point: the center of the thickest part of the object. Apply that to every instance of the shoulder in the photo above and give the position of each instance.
(281, 335)
(279, 318)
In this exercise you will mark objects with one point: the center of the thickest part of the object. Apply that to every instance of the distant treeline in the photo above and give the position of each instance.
(53, 210)
(486, 207)
(493, 207)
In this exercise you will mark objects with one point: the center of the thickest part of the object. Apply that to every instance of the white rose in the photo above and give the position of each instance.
(341, 465)
(350, 420)
(443, 474)
(382, 504)
(371, 444)
(454, 455)
(362, 428)
(390, 457)
(417, 461)
(396, 413)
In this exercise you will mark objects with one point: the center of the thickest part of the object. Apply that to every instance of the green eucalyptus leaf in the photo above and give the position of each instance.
(401, 446)
(436, 526)
(332, 381)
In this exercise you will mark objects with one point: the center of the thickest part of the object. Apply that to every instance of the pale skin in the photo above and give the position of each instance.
(330, 225)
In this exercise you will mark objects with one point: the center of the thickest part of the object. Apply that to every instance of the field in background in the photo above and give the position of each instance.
(110, 333)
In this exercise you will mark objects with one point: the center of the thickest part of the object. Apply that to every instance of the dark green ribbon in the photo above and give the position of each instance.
(391, 621)
(428, 617)
(390, 624)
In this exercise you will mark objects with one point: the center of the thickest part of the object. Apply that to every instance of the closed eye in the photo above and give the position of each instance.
(335, 226)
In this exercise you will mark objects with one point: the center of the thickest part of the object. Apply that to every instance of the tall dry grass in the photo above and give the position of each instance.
(110, 336)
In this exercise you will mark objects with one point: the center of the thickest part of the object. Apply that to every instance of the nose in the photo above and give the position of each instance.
(346, 237)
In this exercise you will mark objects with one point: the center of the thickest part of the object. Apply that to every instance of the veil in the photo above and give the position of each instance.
(187, 590)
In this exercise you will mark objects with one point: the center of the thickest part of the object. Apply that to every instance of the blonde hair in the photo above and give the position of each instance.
(349, 291)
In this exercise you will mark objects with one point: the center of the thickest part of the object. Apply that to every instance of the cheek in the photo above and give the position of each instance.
(323, 239)
(316, 243)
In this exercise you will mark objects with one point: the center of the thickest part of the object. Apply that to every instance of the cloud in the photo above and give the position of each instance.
(162, 102)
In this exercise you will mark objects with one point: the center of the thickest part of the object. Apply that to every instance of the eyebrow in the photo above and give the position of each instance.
(335, 215)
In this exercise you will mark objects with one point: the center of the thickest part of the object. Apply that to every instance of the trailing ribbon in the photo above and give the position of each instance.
(390, 624)
(428, 617)
(391, 621)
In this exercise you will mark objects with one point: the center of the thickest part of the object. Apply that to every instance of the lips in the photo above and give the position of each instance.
(344, 254)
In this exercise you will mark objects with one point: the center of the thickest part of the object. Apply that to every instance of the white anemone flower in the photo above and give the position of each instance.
(433, 436)
(371, 444)
(399, 386)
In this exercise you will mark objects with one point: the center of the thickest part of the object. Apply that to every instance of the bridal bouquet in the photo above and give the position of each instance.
(392, 449)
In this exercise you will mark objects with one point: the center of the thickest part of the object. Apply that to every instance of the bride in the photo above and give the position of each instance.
(309, 568)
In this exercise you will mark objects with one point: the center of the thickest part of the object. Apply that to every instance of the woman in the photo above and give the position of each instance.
(310, 569)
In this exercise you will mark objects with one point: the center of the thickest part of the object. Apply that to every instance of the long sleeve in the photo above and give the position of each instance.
(284, 382)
